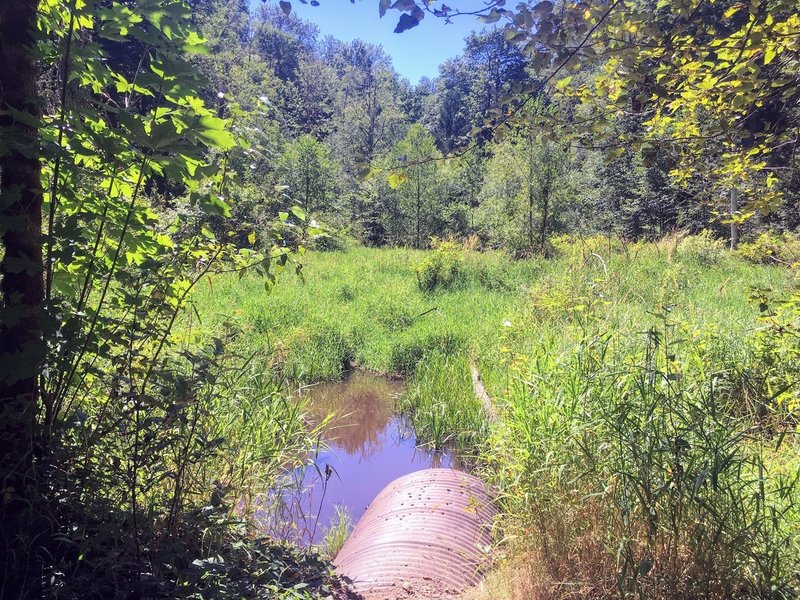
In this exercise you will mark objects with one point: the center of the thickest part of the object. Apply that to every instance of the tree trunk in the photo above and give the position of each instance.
(734, 224)
(22, 349)
(419, 211)
(545, 215)
(531, 194)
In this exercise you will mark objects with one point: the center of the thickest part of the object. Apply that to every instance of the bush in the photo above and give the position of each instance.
(770, 247)
(329, 242)
(441, 268)
(702, 249)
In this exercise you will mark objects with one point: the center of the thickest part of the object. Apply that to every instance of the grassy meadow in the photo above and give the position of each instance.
(644, 442)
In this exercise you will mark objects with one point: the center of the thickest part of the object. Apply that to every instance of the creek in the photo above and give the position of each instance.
(365, 445)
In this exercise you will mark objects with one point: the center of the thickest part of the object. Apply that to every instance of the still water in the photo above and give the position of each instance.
(365, 446)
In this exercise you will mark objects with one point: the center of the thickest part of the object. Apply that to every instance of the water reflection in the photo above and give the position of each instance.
(368, 446)
(362, 406)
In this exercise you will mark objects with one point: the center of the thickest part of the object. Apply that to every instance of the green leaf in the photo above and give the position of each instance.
(405, 23)
(732, 11)
(214, 205)
(396, 179)
(562, 83)
(214, 138)
(492, 17)
(298, 212)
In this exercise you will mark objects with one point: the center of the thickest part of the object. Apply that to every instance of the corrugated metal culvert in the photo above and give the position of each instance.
(430, 529)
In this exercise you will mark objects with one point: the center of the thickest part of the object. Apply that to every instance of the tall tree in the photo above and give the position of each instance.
(306, 171)
(525, 182)
(417, 186)
(23, 348)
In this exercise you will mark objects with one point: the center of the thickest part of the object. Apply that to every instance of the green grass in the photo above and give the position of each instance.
(363, 307)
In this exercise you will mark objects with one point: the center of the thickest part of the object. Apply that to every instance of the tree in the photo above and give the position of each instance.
(368, 120)
(22, 264)
(525, 180)
(306, 171)
(497, 68)
(417, 198)
(124, 162)
(451, 116)
(698, 73)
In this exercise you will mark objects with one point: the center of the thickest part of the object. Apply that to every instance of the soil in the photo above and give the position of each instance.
(424, 589)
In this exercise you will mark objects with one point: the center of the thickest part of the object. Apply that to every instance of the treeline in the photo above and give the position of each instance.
(334, 129)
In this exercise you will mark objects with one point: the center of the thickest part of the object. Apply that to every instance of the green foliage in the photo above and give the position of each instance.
(412, 351)
(251, 569)
(304, 174)
(325, 353)
(441, 269)
(607, 61)
(777, 352)
(415, 183)
(524, 186)
(337, 532)
(149, 444)
(640, 435)
(160, 151)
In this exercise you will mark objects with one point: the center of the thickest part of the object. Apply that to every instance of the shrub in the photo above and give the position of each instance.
(329, 242)
(441, 268)
(702, 249)
(770, 247)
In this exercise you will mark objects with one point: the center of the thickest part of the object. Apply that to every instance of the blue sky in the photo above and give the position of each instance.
(415, 53)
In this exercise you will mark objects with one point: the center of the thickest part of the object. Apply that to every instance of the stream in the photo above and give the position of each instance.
(365, 446)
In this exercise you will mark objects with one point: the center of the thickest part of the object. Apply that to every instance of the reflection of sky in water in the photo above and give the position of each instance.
(368, 447)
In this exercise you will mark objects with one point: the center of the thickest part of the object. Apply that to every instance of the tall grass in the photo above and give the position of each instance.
(363, 307)
(443, 405)
(631, 475)
(336, 532)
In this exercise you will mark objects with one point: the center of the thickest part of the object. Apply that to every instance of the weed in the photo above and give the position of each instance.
(337, 532)
(703, 249)
(440, 269)
(770, 247)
